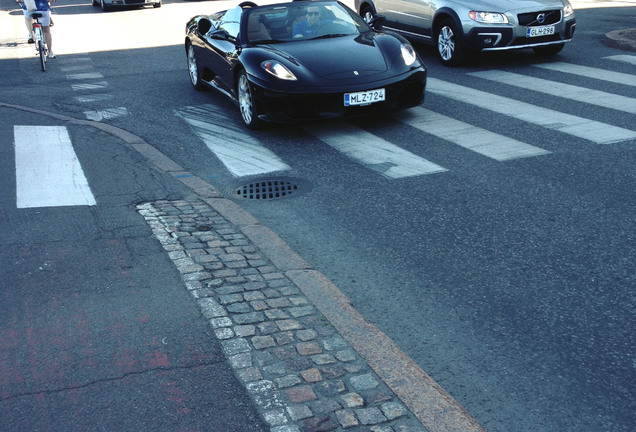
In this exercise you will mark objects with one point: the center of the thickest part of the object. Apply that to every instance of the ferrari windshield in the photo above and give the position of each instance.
(301, 21)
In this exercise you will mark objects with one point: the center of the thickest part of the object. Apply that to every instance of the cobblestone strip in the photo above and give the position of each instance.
(301, 374)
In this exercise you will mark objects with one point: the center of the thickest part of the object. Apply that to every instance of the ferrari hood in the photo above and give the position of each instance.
(339, 57)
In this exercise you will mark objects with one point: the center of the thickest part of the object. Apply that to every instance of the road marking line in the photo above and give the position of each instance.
(84, 87)
(96, 97)
(48, 173)
(484, 142)
(76, 68)
(374, 152)
(241, 154)
(600, 133)
(567, 91)
(105, 114)
(77, 60)
(590, 72)
(624, 58)
(87, 75)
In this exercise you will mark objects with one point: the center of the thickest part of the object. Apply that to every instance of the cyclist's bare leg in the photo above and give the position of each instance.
(29, 25)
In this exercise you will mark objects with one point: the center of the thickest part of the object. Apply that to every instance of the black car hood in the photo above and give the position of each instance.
(337, 57)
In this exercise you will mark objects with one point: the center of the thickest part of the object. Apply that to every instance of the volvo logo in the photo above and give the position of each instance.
(541, 18)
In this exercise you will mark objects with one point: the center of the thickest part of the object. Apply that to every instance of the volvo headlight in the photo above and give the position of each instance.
(408, 54)
(488, 17)
(568, 10)
(279, 70)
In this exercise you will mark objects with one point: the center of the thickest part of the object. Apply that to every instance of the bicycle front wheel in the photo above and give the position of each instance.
(42, 52)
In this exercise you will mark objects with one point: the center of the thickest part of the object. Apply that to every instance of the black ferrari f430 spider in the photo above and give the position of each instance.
(302, 60)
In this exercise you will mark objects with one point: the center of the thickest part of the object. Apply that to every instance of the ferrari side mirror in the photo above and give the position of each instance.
(377, 21)
(204, 25)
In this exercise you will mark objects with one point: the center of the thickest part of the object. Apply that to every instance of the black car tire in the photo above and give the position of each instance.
(193, 68)
(548, 50)
(449, 48)
(157, 5)
(104, 6)
(246, 102)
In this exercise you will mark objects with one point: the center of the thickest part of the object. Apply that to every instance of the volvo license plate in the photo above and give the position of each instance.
(364, 98)
(540, 31)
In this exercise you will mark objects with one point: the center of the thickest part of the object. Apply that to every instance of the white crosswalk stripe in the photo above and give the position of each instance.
(479, 140)
(48, 173)
(89, 86)
(83, 71)
(568, 91)
(94, 97)
(590, 72)
(241, 154)
(73, 68)
(106, 114)
(623, 58)
(600, 133)
(372, 151)
(85, 75)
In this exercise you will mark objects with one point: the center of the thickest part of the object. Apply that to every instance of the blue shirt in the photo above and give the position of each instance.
(41, 5)
(303, 28)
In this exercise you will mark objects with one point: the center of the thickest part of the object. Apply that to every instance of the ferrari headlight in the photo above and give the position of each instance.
(568, 10)
(488, 17)
(408, 54)
(279, 70)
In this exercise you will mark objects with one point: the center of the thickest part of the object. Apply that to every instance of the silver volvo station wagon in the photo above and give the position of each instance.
(457, 27)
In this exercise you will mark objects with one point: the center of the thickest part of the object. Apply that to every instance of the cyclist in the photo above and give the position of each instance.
(43, 7)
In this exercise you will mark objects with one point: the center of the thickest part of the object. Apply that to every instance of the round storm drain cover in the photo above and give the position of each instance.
(268, 189)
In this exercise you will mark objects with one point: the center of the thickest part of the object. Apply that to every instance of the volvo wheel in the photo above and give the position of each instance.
(449, 49)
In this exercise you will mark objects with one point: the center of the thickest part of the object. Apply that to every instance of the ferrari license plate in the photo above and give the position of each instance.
(540, 31)
(364, 98)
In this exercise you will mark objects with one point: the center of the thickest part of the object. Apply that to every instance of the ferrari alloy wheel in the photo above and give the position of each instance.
(246, 102)
(193, 69)
(449, 49)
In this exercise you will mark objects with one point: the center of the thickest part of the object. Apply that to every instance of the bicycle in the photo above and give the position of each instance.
(38, 37)
(37, 31)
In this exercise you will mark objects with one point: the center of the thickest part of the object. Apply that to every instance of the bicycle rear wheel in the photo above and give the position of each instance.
(42, 52)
